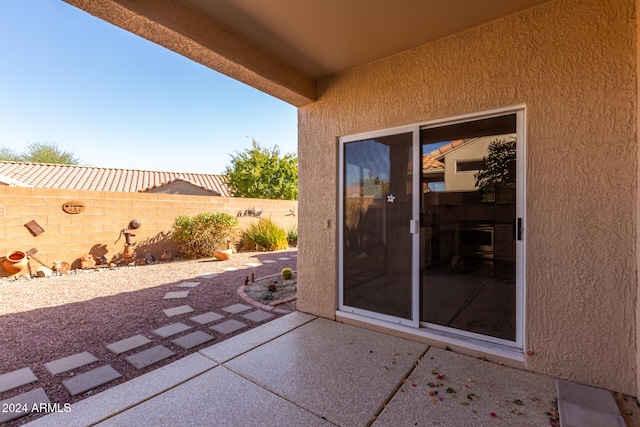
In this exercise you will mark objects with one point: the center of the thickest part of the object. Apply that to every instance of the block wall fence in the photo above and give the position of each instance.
(67, 237)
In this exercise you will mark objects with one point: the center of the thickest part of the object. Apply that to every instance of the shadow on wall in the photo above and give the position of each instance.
(151, 246)
(154, 246)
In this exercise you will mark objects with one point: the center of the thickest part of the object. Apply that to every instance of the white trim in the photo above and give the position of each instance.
(521, 277)
(443, 337)
(340, 221)
(416, 193)
(467, 117)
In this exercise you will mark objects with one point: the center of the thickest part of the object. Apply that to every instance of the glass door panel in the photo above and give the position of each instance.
(376, 241)
(468, 227)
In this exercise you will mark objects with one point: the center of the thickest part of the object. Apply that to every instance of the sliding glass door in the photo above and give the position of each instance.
(441, 249)
(469, 227)
(377, 243)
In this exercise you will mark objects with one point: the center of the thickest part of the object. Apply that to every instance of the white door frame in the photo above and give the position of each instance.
(449, 335)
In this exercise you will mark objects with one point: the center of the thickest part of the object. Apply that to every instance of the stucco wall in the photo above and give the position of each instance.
(573, 64)
(67, 237)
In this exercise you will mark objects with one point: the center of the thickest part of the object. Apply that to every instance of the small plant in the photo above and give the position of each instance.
(287, 274)
(272, 287)
(265, 235)
(292, 234)
(200, 235)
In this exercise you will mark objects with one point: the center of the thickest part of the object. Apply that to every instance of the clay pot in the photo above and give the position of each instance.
(14, 262)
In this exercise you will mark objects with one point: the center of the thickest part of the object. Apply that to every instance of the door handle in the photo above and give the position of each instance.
(414, 226)
(519, 229)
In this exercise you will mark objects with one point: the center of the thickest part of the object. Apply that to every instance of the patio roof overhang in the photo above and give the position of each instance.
(283, 47)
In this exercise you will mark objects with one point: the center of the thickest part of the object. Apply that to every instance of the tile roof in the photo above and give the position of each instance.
(44, 175)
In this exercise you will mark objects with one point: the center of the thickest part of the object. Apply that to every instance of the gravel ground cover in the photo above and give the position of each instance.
(42, 320)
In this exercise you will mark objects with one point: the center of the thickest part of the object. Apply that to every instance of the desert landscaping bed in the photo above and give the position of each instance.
(46, 319)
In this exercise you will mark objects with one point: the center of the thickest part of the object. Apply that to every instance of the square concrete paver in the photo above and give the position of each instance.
(340, 372)
(253, 264)
(236, 308)
(193, 339)
(284, 258)
(93, 409)
(208, 276)
(172, 329)
(182, 309)
(128, 344)
(16, 379)
(12, 408)
(229, 269)
(205, 318)
(258, 316)
(268, 261)
(585, 406)
(176, 295)
(70, 362)
(188, 284)
(217, 398)
(575, 415)
(149, 357)
(592, 397)
(471, 392)
(228, 327)
(91, 379)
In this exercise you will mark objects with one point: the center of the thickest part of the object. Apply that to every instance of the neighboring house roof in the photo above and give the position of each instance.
(44, 175)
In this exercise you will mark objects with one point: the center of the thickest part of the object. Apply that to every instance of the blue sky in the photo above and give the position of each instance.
(117, 100)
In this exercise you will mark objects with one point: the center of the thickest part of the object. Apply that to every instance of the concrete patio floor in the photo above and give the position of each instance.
(303, 370)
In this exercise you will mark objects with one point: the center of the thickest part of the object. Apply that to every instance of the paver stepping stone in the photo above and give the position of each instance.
(28, 399)
(236, 308)
(268, 261)
(257, 316)
(128, 344)
(172, 329)
(229, 269)
(178, 294)
(208, 276)
(91, 379)
(71, 362)
(193, 339)
(209, 317)
(284, 258)
(228, 327)
(16, 379)
(253, 264)
(188, 284)
(149, 357)
(583, 405)
(178, 310)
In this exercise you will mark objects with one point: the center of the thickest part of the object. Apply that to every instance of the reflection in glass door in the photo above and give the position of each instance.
(376, 241)
(469, 227)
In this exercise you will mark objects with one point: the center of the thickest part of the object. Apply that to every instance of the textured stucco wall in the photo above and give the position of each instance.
(573, 63)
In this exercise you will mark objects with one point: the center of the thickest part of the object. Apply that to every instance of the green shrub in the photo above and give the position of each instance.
(292, 234)
(200, 235)
(265, 235)
(287, 274)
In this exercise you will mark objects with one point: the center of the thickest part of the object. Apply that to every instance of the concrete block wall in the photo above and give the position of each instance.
(67, 237)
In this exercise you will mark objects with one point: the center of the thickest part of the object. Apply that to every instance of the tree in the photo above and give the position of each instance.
(9, 155)
(262, 173)
(40, 152)
(500, 165)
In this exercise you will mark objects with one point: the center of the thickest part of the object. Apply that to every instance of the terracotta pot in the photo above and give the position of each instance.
(14, 262)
